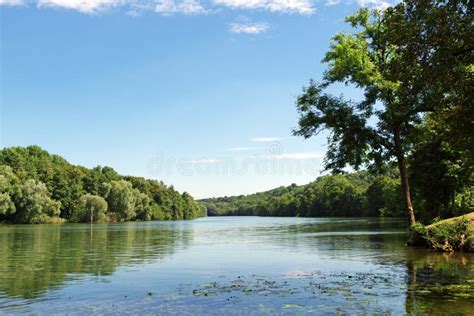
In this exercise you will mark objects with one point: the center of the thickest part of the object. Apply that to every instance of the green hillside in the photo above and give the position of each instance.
(38, 187)
(356, 194)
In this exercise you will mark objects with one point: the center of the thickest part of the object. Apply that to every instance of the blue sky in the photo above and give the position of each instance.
(199, 94)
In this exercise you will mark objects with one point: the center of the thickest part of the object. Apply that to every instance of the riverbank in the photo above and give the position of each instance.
(449, 235)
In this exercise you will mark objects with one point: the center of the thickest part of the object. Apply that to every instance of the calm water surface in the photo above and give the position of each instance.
(231, 265)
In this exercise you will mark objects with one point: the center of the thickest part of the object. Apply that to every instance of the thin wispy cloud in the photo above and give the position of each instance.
(332, 2)
(240, 148)
(204, 161)
(265, 139)
(249, 28)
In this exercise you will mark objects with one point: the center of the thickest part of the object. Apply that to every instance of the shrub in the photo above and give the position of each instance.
(417, 235)
(450, 236)
(444, 236)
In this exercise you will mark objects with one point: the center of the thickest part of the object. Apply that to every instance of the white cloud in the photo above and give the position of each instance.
(168, 7)
(195, 7)
(189, 7)
(376, 4)
(86, 6)
(282, 6)
(165, 7)
(265, 139)
(249, 28)
(12, 2)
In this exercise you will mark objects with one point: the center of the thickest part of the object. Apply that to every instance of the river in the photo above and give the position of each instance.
(229, 265)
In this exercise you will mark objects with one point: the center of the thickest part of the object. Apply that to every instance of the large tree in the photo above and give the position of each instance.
(375, 129)
(434, 42)
(92, 208)
(34, 204)
(410, 60)
(122, 199)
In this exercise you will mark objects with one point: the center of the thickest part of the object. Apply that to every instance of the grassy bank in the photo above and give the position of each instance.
(452, 234)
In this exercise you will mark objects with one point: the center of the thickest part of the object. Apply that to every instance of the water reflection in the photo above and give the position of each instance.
(360, 265)
(440, 284)
(42, 257)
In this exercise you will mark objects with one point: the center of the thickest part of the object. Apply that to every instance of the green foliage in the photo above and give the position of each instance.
(450, 236)
(9, 189)
(76, 190)
(144, 207)
(464, 200)
(122, 199)
(7, 207)
(91, 204)
(34, 204)
(434, 43)
(363, 58)
(417, 235)
(442, 172)
(447, 236)
(385, 197)
(332, 195)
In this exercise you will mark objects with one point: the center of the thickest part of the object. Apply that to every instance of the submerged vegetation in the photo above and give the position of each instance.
(37, 187)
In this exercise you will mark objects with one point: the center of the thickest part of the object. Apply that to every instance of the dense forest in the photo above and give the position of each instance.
(37, 187)
(360, 193)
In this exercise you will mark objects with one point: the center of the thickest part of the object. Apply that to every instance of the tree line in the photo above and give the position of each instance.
(360, 193)
(37, 187)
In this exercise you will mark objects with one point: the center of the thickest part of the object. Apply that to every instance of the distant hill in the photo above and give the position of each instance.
(355, 194)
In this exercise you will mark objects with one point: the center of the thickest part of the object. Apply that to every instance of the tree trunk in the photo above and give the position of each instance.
(404, 178)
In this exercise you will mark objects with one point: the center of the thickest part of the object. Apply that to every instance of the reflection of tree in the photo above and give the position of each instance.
(37, 258)
(436, 283)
